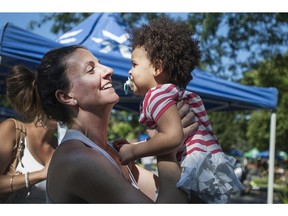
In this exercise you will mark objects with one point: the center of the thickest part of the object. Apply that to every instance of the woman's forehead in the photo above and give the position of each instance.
(81, 56)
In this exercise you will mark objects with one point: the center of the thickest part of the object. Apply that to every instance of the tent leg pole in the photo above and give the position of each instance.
(271, 158)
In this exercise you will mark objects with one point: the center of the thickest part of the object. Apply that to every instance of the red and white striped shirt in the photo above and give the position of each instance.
(158, 99)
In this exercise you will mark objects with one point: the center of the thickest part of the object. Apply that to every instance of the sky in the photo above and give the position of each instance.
(22, 20)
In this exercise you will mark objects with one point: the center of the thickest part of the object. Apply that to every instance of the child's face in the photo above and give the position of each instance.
(142, 72)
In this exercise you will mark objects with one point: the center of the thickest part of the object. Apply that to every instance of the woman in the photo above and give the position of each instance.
(28, 184)
(77, 90)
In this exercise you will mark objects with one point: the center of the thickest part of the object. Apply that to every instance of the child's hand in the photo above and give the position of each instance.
(126, 153)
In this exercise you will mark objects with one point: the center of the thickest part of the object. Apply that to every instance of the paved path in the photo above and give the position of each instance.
(254, 197)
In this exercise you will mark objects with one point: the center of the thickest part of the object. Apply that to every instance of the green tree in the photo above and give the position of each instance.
(230, 129)
(62, 22)
(124, 124)
(236, 42)
(273, 72)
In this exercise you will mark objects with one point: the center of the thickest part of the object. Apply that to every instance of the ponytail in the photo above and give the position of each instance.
(22, 93)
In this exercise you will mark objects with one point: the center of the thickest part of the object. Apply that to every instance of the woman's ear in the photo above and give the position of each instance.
(64, 98)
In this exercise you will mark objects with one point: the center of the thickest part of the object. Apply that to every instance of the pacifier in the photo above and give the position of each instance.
(127, 86)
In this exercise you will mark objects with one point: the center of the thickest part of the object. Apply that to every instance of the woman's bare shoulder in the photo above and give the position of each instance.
(7, 124)
(76, 154)
(7, 133)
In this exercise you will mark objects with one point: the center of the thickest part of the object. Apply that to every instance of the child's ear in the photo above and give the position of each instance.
(158, 68)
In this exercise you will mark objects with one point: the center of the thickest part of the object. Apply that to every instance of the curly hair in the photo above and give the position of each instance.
(170, 43)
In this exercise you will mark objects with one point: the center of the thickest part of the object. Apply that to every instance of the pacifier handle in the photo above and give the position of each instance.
(127, 86)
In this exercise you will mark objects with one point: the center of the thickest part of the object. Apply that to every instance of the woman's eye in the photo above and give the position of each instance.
(91, 70)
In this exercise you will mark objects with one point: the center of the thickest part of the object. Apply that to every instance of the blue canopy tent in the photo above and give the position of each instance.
(235, 153)
(279, 156)
(105, 36)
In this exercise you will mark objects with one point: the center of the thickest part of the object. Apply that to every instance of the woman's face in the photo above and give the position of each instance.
(141, 73)
(91, 83)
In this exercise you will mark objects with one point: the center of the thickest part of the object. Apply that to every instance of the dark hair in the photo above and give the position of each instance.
(169, 42)
(52, 77)
(22, 94)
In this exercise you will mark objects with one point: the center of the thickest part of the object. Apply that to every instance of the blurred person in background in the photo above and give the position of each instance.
(27, 183)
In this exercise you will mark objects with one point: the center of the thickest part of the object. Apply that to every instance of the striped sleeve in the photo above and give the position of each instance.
(156, 102)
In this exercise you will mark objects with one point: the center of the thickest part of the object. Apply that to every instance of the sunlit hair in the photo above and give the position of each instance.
(22, 93)
(170, 44)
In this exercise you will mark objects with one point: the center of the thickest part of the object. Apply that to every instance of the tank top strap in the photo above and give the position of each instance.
(131, 176)
(78, 135)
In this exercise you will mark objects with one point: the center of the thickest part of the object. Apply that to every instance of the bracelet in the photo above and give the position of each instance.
(27, 183)
(11, 183)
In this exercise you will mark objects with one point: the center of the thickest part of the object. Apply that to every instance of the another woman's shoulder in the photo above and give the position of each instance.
(7, 136)
(7, 127)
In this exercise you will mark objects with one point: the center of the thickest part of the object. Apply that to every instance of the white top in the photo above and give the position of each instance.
(38, 191)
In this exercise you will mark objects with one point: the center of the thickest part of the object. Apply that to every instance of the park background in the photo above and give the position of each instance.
(235, 130)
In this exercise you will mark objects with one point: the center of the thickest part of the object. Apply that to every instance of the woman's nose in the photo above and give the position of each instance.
(107, 71)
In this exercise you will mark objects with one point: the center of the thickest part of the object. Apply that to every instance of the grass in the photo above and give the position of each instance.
(280, 188)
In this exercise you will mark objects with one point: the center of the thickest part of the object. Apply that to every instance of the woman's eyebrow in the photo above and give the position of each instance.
(89, 63)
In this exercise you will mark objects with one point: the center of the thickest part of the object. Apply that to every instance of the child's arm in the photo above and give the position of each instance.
(169, 136)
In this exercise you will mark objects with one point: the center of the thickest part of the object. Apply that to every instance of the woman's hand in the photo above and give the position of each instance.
(189, 123)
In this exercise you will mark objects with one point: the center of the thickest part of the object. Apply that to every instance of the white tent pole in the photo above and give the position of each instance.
(271, 158)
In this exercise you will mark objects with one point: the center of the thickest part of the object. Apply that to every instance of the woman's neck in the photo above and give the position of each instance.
(40, 134)
(94, 128)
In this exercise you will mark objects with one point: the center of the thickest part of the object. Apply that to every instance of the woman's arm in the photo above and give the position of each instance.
(150, 184)
(8, 183)
(169, 173)
(7, 142)
(147, 181)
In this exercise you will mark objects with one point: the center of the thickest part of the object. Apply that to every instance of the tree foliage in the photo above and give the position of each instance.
(273, 72)
(124, 124)
(236, 42)
(62, 22)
